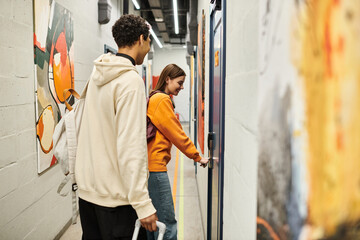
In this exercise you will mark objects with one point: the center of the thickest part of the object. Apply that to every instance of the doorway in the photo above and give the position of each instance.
(216, 123)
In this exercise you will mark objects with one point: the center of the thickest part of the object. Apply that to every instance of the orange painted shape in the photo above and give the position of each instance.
(40, 128)
(328, 48)
(53, 161)
(44, 127)
(340, 140)
(63, 67)
(273, 235)
(38, 44)
(62, 48)
(62, 78)
(217, 58)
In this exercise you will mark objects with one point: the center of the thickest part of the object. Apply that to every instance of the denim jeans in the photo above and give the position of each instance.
(160, 194)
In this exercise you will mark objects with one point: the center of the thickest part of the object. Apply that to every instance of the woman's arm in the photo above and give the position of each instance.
(166, 122)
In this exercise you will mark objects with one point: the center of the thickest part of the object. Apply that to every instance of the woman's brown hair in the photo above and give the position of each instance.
(172, 71)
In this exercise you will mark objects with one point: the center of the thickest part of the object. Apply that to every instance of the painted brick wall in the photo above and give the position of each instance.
(30, 208)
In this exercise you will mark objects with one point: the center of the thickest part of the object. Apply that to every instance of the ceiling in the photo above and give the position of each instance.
(160, 14)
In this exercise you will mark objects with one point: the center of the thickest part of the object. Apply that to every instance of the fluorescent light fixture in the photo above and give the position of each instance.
(184, 46)
(136, 4)
(176, 20)
(156, 38)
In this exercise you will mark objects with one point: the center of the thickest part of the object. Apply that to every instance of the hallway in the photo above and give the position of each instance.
(271, 97)
(181, 173)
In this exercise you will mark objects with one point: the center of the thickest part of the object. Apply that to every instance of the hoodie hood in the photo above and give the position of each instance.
(109, 66)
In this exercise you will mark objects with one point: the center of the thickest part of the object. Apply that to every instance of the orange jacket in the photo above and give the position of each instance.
(161, 113)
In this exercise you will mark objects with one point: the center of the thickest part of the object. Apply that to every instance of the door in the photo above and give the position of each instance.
(216, 125)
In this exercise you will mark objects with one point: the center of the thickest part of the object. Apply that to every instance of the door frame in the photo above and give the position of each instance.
(221, 117)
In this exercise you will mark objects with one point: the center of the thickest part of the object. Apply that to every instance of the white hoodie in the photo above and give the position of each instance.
(111, 164)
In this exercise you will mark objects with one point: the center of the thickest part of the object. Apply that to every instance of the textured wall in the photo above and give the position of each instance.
(241, 119)
(30, 208)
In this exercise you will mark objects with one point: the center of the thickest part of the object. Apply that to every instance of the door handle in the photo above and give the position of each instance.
(211, 145)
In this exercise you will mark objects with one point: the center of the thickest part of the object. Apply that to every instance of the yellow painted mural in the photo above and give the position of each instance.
(329, 66)
(309, 120)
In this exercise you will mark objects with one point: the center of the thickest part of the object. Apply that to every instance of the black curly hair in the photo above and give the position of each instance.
(128, 29)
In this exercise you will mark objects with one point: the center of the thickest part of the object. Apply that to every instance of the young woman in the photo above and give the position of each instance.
(169, 131)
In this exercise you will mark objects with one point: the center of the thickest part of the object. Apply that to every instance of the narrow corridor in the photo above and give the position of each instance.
(181, 171)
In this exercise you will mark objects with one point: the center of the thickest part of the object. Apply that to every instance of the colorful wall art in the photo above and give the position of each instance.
(54, 72)
(201, 82)
(309, 120)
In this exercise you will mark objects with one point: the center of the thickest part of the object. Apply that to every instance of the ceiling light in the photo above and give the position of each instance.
(159, 19)
(176, 20)
(156, 38)
(136, 4)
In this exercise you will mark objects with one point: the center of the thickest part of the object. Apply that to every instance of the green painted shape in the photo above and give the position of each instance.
(41, 57)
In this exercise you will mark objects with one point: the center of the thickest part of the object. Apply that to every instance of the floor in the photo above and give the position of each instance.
(181, 171)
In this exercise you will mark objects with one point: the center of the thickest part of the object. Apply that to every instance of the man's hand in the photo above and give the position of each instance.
(203, 162)
(149, 223)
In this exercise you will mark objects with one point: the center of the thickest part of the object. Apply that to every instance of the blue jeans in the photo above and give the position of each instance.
(160, 194)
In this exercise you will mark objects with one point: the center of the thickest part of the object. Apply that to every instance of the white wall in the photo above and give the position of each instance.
(165, 56)
(241, 146)
(30, 208)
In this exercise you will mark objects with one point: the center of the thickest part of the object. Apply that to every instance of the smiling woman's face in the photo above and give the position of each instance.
(174, 86)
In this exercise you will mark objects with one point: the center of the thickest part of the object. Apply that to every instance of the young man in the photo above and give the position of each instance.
(111, 166)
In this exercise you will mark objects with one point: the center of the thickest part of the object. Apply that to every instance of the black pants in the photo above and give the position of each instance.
(108, 223)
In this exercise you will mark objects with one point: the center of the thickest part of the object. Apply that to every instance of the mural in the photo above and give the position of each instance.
(309, 120)
(201, 81)
(54, 72)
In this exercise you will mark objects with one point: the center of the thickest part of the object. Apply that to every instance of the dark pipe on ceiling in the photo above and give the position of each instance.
(193, 25)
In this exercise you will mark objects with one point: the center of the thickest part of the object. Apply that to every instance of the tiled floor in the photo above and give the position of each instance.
(187, 201)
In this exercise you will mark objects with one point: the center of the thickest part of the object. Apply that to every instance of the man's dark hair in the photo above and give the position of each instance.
(128, 29)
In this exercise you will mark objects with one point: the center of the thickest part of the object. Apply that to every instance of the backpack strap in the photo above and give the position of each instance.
(74, 205)
(75, 94)
(154, 92)
(62, 185)
(158, 91)
(151, 94)
(71, 139)
(150, 127)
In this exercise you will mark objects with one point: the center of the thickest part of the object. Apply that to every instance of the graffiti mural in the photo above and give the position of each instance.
(54, 72)
(309, 120)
